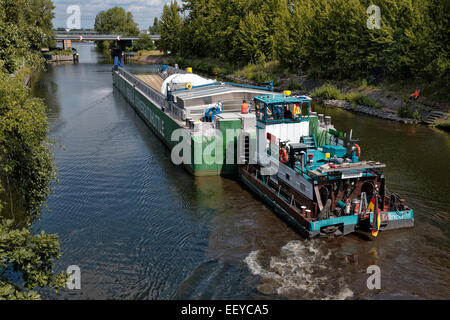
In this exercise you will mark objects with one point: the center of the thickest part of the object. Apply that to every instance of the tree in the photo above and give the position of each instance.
(144, 42)
(26, 170)
(116, 20)
(253, 38)
(25, 27)
(26, 167)
(155, 29)
(330, 38)
(30, 255)
(171, 26)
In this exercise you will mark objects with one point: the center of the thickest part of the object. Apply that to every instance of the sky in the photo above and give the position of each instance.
(144, 11)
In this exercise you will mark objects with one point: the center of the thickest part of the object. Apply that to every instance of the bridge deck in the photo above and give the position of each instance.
(153, 80)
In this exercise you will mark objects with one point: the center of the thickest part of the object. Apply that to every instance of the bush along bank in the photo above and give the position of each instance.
(358, 102)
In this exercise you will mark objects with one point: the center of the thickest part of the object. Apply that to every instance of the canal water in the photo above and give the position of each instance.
(141, 228)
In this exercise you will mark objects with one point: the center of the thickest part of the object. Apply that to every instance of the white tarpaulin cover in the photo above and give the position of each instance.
(193, 79)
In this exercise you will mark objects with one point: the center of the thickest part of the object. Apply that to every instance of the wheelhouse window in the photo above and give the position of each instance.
(278, 111)
(277, 108)
(259, 109)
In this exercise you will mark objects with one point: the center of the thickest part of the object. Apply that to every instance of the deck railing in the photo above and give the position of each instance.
(157, 97)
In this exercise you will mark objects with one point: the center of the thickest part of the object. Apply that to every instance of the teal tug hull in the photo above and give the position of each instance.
(344, 225)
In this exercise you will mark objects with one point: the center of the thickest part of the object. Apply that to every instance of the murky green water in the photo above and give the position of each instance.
(141, 228)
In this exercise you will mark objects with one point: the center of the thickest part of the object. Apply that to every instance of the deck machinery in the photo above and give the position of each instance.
(311, 174)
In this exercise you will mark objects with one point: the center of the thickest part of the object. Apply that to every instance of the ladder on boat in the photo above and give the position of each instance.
(310, 141)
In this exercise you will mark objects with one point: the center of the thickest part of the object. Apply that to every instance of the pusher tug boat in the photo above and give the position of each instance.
(311, 174)
(319, 184)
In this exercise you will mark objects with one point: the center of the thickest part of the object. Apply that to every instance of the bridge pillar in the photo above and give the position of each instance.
(67, 44)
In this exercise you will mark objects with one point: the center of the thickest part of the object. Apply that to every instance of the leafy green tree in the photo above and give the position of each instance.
(26, 170)
(144, 42)
(31, 256)
(253, 37)
(26, 167)
(155, 29)
(434, 49)
(116, 20)
(171, 24)
(328, 38)
(25, 27)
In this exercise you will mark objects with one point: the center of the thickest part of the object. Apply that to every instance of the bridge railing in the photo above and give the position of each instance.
(157, 97)
(93, 33)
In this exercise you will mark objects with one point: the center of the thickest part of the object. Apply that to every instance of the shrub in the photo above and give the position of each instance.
(180, 61)
(416, 115)
(404, 112)
(327, 91)
(362, 84)
(256, 71)
(295, 85)
(143, 43)
(261, 76)
(217, 70)
(361, 99)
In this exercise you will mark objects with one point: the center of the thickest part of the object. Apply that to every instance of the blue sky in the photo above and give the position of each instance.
(144, 11)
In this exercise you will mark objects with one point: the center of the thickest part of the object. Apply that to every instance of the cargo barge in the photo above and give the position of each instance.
(176, 111)
(290, 157)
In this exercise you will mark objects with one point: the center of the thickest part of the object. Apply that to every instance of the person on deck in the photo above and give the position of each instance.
(244, 107)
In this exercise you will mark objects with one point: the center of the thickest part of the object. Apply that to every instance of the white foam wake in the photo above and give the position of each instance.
(301, 271)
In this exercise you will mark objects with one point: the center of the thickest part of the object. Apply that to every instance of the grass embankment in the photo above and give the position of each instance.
(258, 73)
(329, 92)
(437, 89)
(144, 53)
(206, 65)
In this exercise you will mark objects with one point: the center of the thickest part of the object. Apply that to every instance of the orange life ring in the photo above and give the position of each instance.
(358, 150)
(283, 155)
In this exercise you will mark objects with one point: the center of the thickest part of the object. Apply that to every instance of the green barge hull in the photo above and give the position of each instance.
(152, 107)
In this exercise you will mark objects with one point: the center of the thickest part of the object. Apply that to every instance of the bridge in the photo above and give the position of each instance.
(67, 37)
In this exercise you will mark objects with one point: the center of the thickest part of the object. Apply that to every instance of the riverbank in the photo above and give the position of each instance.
(384, 113)
(389, 101)
(151, 57)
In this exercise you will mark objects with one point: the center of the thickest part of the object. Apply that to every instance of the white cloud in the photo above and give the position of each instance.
(144, 11)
